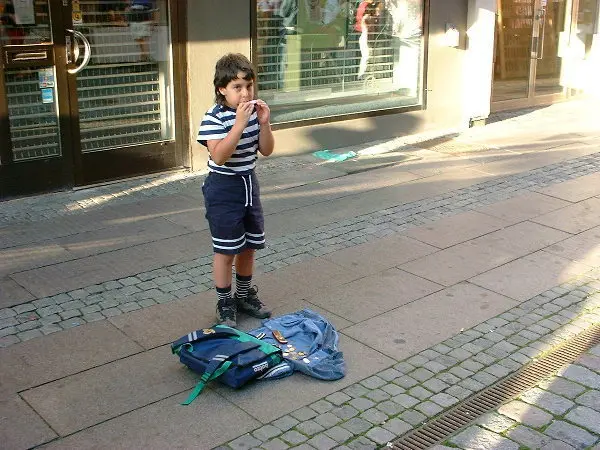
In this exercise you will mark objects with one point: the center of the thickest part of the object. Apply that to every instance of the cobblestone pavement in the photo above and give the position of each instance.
(562, 412)
(69, 309)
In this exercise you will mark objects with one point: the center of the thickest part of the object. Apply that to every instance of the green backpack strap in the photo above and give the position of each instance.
(217, 366)
(265, 347)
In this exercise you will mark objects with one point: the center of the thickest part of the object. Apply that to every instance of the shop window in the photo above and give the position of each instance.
(323, 58)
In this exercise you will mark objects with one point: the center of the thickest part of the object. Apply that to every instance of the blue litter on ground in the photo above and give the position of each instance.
(330, 156)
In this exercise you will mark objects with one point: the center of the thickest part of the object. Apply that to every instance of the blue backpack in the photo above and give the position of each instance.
(224, 353)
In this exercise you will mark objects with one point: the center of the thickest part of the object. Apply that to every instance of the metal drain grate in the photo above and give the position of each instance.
(439, 429)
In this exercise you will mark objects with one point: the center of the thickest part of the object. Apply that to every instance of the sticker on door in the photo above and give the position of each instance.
(47, 95)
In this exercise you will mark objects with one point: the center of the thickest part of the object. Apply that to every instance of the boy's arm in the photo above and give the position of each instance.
(222, 149)
(266, 140)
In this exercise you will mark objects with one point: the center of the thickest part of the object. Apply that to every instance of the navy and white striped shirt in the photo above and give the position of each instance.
(217, 122)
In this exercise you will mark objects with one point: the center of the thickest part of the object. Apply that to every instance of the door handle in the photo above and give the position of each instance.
(540, 47)
(87, 54)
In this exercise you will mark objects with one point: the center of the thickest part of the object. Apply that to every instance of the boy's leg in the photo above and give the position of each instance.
(224, 202)
(244, 267)
(226, 306)
(245, 296)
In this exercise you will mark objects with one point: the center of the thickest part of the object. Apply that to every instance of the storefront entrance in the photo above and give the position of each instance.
(527, 66)
(87, 92)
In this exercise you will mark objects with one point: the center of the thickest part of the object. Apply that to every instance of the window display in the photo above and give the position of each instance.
(323, 58)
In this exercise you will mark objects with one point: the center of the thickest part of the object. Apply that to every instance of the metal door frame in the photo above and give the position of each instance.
(50, 173)
(530, 99)
(144, 158)
(73, 167)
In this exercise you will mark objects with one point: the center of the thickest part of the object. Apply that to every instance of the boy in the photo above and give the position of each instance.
(233, 130)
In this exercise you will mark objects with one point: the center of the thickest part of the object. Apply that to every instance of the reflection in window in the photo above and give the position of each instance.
(585, 23)
(320, 58)
(24, 22)
(124, 94)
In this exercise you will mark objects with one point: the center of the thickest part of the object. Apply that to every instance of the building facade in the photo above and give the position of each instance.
(96, 90)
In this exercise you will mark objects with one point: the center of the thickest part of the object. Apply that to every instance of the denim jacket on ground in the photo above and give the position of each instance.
(309, 333)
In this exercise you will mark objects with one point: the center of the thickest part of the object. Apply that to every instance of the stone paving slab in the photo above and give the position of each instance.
(543, 156)
(158, 254)
(346, 206)
(93, 220)
(456, 229)
(382, 292)
(85, 399)
(428, 163)
(192, 219)
(290, 179)
(302, 280)
(34, 232)
(166, 424)
(132, 233)
(18, 259)
(58, 278)
(573, 219)
(455, 264)
(12, 293)
(399, 333)
(584, 247)
(31, 364)
(379, 255)
(575, 190)
(160, 324)
(521, 239)
(528, 276)
(523, 207)
(14, 413)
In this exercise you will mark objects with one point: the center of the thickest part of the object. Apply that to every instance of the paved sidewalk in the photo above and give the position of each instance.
(445, 262)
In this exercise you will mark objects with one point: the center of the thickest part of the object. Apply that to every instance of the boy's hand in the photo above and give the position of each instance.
(243, 113)
(263, 112)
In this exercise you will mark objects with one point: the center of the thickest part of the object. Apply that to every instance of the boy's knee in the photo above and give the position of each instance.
(224, 258)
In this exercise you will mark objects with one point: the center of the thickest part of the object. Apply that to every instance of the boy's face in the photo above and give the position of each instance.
(238, 91)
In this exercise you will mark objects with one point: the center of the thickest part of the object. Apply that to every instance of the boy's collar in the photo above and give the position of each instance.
(225, 107)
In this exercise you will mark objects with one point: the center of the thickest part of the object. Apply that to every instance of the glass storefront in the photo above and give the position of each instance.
(87, 91)
(324, 58)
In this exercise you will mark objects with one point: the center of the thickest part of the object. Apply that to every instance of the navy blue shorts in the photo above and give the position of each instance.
(234, 212)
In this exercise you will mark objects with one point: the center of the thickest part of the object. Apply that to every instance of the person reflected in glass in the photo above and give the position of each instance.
(364, 16)
(288, 14)
(113, 12)
(142, 19)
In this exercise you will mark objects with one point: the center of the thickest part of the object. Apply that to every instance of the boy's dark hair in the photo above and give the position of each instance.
(227, 69)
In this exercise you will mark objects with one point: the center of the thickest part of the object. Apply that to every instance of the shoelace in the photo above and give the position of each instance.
(226, 311)
(252, 299)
